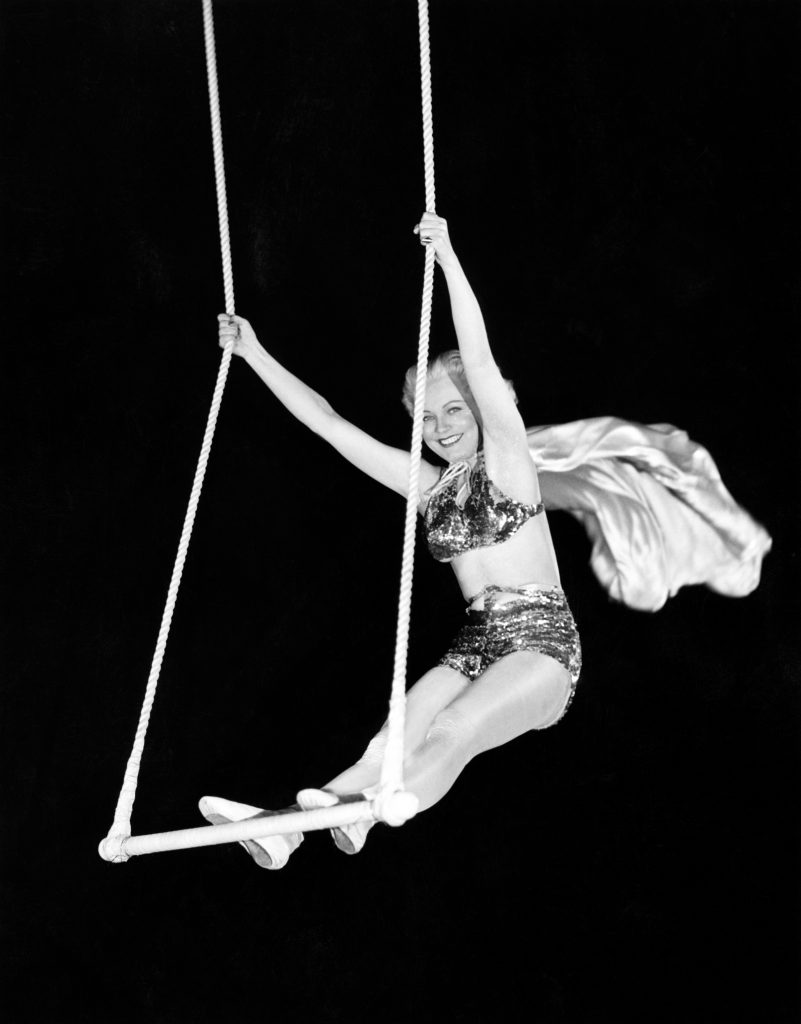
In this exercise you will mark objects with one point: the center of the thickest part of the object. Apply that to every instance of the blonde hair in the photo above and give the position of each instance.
(446, 364)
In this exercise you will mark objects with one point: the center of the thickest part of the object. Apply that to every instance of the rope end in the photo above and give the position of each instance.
(395, 808)
(112, 848)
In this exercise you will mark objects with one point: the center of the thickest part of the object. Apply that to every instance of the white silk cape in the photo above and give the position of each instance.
(654, 506)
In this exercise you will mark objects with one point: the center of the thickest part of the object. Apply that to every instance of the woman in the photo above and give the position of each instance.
(514, 667)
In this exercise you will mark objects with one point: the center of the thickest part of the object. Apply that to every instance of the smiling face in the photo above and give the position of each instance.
(449, 427)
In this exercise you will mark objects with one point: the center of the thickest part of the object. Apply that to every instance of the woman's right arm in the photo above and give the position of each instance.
(389, 466)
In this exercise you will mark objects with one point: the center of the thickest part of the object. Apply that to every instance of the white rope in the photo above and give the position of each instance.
(219, 163)
(392, 766)
(121, 826)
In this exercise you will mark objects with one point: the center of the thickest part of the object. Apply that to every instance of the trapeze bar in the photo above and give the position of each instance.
(118, 849)
(115, 849)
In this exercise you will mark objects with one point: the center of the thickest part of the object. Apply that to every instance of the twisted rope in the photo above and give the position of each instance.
(392, 765)
(121, 827)
(219, 163)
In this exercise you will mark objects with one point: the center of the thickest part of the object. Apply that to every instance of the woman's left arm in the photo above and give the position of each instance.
(501, 420)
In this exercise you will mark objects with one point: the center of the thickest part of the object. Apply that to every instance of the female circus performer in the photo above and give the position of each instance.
(515, 665)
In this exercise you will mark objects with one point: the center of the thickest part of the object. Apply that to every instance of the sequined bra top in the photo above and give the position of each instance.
(487, 517)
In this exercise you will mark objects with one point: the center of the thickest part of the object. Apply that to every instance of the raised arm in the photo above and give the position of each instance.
(502, 422)
(388, 465)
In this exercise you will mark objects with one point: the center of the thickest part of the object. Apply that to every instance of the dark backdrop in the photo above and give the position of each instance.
(622, 182)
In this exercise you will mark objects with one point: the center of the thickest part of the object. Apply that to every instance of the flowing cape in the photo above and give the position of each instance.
(654, 506)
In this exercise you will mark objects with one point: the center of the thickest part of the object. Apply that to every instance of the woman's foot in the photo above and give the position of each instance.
(348, 838)
(271, 852)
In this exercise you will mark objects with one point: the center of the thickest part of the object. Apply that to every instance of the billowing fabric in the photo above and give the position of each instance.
(652, 501)
(486, 517)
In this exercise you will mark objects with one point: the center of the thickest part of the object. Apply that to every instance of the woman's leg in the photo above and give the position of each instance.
(430, 694)
(424, 701)
(520, 692)
(434, 691)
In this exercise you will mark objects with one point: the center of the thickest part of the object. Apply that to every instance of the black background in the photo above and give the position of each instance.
(621, 180)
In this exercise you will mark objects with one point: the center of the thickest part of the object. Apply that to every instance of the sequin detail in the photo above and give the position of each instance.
(487, 517)
(537, 620)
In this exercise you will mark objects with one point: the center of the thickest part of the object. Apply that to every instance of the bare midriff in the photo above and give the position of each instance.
(527, 558)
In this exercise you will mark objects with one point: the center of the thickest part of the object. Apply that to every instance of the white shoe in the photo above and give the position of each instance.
(348, 838)
(271, 852)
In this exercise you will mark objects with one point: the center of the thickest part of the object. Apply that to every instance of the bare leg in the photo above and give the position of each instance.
(424, 701)
(522, 691)
(449, 721)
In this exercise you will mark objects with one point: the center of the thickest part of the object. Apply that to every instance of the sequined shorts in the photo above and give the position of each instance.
(537, 619)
